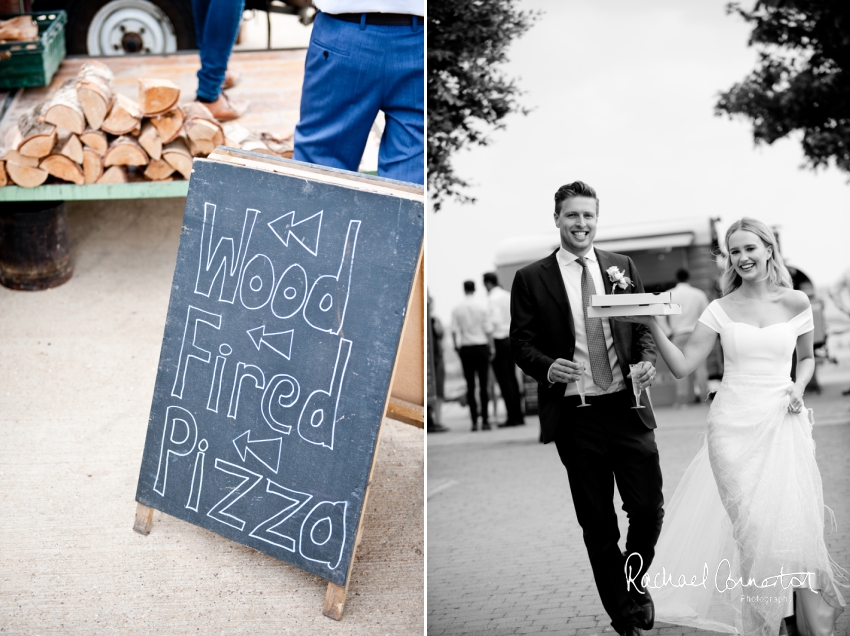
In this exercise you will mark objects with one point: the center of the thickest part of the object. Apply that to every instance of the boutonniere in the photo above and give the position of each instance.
(618, 279)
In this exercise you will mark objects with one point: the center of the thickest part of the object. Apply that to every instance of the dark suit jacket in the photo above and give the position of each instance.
(542, 330)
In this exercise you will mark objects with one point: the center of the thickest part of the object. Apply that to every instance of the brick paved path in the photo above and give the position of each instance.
(505, 553)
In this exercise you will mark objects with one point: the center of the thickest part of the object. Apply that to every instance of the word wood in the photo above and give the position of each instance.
(287, 307)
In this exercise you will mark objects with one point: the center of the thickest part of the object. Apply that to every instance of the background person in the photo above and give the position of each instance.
(499, 301)
(216, 27)
(693, 302)
(365, 56)
(437, 368)
(471, 329)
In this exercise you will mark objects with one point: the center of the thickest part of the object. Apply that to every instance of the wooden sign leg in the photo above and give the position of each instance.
(144, 519)
(335, 596)
(335, 601)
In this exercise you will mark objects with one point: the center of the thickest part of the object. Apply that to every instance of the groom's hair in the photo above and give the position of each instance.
(574, 189)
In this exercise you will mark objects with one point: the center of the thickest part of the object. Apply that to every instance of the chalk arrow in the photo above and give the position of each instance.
(268, 448)
(306, 231)
(280, 342)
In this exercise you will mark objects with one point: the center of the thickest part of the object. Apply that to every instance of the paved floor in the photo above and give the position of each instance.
(76, 380)
(505, 553)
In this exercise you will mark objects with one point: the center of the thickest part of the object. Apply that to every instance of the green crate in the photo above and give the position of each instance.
(34, 63)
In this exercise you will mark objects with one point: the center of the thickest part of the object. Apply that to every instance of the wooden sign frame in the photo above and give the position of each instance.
(395, 407)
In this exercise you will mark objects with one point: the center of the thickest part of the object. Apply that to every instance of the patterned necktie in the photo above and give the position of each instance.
(599, 365)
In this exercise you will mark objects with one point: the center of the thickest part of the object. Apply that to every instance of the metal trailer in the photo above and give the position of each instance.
(121, 27)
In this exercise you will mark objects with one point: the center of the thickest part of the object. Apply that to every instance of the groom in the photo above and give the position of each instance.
(552, 340)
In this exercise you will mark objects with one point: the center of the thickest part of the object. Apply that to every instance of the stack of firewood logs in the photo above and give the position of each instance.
(87, 133)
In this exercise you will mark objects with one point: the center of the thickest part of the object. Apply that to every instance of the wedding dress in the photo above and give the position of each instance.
(750, 505)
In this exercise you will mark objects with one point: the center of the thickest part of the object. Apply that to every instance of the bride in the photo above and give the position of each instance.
(743, 533)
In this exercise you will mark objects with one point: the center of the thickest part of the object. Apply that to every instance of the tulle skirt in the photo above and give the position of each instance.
(745, 525)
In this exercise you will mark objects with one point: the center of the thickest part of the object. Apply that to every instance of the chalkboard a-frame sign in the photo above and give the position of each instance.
(289, 297)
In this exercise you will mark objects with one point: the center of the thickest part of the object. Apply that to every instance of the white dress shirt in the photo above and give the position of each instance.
(571, 275)
(499, 301)
(413, 7)
(471, 323)
(693, 302)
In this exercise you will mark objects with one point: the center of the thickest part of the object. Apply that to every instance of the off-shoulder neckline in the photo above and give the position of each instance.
(738, 322)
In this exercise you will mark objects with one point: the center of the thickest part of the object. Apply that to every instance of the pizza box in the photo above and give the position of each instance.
(612, 300)
(655, 309)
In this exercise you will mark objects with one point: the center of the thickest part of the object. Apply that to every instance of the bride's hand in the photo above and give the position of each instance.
(795, 395)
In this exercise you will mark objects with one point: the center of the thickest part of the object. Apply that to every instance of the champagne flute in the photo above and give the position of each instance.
(581, 388)
(635, 388)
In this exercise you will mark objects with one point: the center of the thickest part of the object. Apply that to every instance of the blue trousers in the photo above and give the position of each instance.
(216, 27)
(352, 72)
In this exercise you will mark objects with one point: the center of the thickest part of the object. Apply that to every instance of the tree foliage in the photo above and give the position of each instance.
(802, 81)
(468, 94)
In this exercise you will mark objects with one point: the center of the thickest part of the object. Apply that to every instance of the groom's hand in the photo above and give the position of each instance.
(565, 371)
(643, 375)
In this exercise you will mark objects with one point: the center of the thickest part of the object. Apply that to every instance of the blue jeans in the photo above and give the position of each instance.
(352, 72)
(216, 27)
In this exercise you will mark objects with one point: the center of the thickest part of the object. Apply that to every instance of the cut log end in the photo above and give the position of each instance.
(63, 168)
(95, 105)
(150, 141)
(177, 155)
(94, 90)
(25, 176)
(115, 174)
(157, 95)
(92, 165)
(124, 116)
(159, 170)
(96, 140)
(125, 151)
(38, 145)
(168, 125)
(70, 146)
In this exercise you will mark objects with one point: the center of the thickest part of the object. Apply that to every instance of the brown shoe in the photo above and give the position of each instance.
(224, 109)
(231, 79)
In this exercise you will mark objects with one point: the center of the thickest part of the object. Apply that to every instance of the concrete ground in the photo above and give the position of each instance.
(76, 380)
(505, 552)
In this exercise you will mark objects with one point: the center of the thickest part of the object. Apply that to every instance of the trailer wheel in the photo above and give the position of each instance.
(122, 27)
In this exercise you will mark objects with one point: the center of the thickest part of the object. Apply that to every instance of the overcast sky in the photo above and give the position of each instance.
(623, 95)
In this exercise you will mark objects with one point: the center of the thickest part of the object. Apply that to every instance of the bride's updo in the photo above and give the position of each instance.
(776, 270)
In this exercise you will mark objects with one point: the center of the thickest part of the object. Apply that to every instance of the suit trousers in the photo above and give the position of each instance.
(599, 445)
(475, 360)
(353, 71)
(505, 370)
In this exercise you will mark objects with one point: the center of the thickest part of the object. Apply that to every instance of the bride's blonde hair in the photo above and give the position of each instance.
(776, 270)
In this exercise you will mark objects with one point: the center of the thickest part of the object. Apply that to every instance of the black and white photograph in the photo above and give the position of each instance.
(639, 345)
